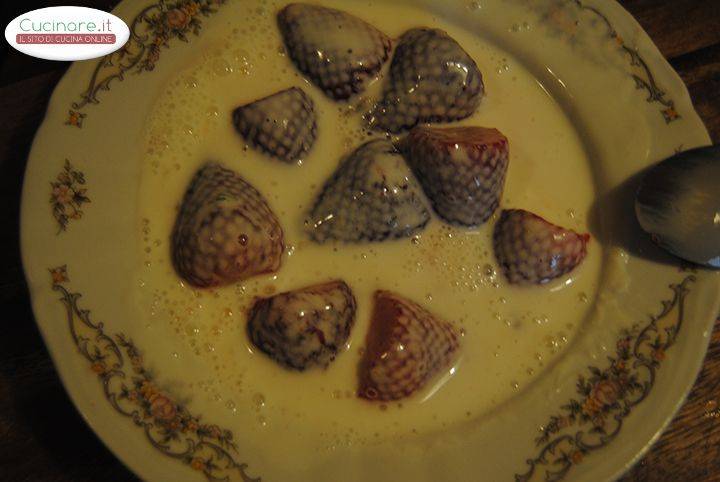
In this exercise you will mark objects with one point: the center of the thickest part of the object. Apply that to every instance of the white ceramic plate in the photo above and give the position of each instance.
(588, 414)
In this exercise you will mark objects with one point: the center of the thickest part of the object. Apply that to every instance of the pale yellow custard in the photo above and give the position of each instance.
(511, 334)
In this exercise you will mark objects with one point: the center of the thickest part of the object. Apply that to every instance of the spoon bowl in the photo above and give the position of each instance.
(678, 204)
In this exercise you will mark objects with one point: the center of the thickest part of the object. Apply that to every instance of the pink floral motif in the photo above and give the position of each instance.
(75, 119)
(177, 19)
(603, 394)
(198, 464)
(98, 367)
(151, 32)
(608, 394)
(63, 194)
(670, 114)
(576, 457)
(170, 420)
(59, 275)
(565, 19)
(658, 354)
(68, 195)
(162, 408)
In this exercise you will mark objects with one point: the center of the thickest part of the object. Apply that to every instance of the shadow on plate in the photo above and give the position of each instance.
(613, 223)
(42, 436)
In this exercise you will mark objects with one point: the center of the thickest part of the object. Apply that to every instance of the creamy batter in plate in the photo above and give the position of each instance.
(570, 379)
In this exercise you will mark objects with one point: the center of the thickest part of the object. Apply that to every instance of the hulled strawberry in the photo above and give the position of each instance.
(304, 327)
(432, 79)
(531, 250)
(461, 169)
(406, 347)
(337, 51)
(225, 231)
(283, 125)
(372, 196)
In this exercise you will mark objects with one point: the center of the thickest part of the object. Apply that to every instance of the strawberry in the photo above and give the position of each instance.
(461, 169)
(305, 327)
(282, 125)
(337, 51)
(225, 231)
(372, 196)
(406, 346)
(531, 250)
(432, 79)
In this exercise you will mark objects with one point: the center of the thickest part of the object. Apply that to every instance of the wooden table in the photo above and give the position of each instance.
(42, 437)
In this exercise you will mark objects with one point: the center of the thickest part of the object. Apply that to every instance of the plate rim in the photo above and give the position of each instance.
(658, 60)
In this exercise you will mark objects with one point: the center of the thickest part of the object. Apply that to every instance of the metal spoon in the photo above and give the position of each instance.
(678, 204)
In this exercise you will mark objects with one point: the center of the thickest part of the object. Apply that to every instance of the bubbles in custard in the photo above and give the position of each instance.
(474, 5)
(510, 334)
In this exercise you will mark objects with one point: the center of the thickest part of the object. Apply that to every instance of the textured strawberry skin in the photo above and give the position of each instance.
(283, 125)
(372, 196)
(432, 79)
(531, 250)
(225, 231)
(461, 169)
(303, 328)
(406, 346)
(337, 51)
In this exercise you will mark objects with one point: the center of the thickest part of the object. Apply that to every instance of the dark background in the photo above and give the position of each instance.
(42, 437)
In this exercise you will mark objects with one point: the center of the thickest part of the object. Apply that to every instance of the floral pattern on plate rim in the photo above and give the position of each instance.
(133, 392)
(644, 78)
(564, 20)
(607, 396)
(163, 21)
(150, 31)
(583, 425)
(67, 196)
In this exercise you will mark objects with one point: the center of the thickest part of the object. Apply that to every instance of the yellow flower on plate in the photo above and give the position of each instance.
(162, 408)
(75, 118)
(591, 407)
(191, 8)
(59, 275)
(177, 18)
(576, 457)
(197, 464)
(98, 367)
(63, 194)
(658, 354)
(670, 114)
(147, 389)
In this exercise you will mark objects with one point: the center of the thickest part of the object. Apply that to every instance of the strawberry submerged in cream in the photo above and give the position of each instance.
(508, 333)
